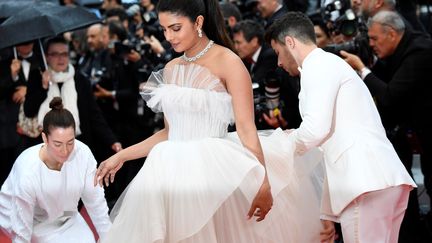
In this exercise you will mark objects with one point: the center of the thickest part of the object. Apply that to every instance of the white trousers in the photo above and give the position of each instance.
(375, 217)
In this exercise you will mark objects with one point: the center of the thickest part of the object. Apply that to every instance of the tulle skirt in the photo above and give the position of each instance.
(201, 191)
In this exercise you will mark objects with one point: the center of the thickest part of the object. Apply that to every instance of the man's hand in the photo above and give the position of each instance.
(354, 61)
(327, 234)
(102, 93)
(133, 56)
(155, 44)
(275, 119)
(116, 147)
(15, 68)
(19, 94)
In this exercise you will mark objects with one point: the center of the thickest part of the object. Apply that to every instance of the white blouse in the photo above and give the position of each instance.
(38, 204)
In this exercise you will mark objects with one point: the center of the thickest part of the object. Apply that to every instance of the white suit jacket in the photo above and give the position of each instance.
(340, 117)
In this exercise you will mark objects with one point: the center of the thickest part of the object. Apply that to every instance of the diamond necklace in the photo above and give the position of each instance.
(200, 54)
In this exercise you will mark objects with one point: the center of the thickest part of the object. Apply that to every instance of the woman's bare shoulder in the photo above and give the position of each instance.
(173, 62)
(225, 61)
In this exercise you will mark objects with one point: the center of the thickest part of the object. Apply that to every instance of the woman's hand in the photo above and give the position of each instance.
(46, 77)
(107, 170)
(262, 202)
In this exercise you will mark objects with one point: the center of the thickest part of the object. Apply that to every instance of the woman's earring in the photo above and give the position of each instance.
(199, 33)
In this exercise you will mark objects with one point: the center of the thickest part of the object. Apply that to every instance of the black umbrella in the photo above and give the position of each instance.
(11, 7)
(43, 20)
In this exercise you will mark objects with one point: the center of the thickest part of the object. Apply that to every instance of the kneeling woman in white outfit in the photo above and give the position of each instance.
(39, 199)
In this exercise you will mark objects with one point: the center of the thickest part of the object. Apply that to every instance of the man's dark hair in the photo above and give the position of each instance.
(294, 24)
(250, 29)
(230, 9)
(119, 12)
(115, 27)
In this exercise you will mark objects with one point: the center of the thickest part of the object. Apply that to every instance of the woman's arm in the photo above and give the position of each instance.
(108, 168)
(239, 85)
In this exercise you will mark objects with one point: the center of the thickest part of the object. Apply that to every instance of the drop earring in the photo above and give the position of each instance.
(199, 33)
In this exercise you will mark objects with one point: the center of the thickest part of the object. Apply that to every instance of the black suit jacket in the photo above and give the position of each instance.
(266, 62)
(265, 68)
(402, 83)
(275, 16)
(94, 128)
(8, 108)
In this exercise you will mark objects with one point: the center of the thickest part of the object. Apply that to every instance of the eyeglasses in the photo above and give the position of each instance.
(59, 54)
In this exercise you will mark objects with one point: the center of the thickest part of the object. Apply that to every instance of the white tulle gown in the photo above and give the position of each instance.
(199, 184)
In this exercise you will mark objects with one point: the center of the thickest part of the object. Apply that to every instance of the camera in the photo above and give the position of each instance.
(123, 48)
(96, 75)
(341, 19)
(267, 98)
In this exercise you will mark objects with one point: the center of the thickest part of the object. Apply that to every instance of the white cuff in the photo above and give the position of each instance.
(330, 218)
(364, 72)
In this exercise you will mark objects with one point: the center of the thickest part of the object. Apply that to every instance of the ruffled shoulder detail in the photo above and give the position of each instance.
(179, 75)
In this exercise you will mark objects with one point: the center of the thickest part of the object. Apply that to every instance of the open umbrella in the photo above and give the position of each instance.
(43, 20)
(11, 7)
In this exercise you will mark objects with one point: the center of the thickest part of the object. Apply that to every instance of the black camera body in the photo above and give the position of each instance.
(267, 98)
(341, 17)
(121, 49)
(342, 20)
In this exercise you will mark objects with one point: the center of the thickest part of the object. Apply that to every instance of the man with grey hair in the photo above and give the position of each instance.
(366, 187)
(368, 8)
(401, 83)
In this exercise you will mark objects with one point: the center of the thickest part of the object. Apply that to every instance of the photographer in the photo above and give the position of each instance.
(348, 32)
(407, 9)
(401, 83)
(231, 15)
(273, 89)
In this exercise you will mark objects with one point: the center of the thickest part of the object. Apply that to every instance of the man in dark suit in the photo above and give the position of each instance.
(401, 83)
(270, 10)
(275, 88)
(8, 120)
(24, 67)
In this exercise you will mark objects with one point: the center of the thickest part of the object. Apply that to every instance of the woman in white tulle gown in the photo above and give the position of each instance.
(199, 183)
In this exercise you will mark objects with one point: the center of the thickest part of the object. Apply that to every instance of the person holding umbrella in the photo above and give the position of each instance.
(61, 80)
(15, 134)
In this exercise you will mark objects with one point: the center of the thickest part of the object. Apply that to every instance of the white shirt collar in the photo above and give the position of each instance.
(256, 54)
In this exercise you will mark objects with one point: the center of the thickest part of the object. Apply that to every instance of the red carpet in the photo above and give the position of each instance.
(5, 239)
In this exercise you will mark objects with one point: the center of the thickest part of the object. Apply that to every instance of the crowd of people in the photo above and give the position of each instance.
(300, 114)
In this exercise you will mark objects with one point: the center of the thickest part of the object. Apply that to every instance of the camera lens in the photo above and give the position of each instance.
(348, 28)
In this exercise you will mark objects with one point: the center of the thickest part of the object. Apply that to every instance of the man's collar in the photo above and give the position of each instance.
(256, 54)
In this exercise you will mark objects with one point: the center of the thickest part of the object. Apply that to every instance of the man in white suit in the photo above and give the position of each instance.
(366, 187)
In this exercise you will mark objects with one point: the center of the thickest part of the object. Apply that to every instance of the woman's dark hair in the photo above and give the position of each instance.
(57, 116)
(214, 25)
(55, 40)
